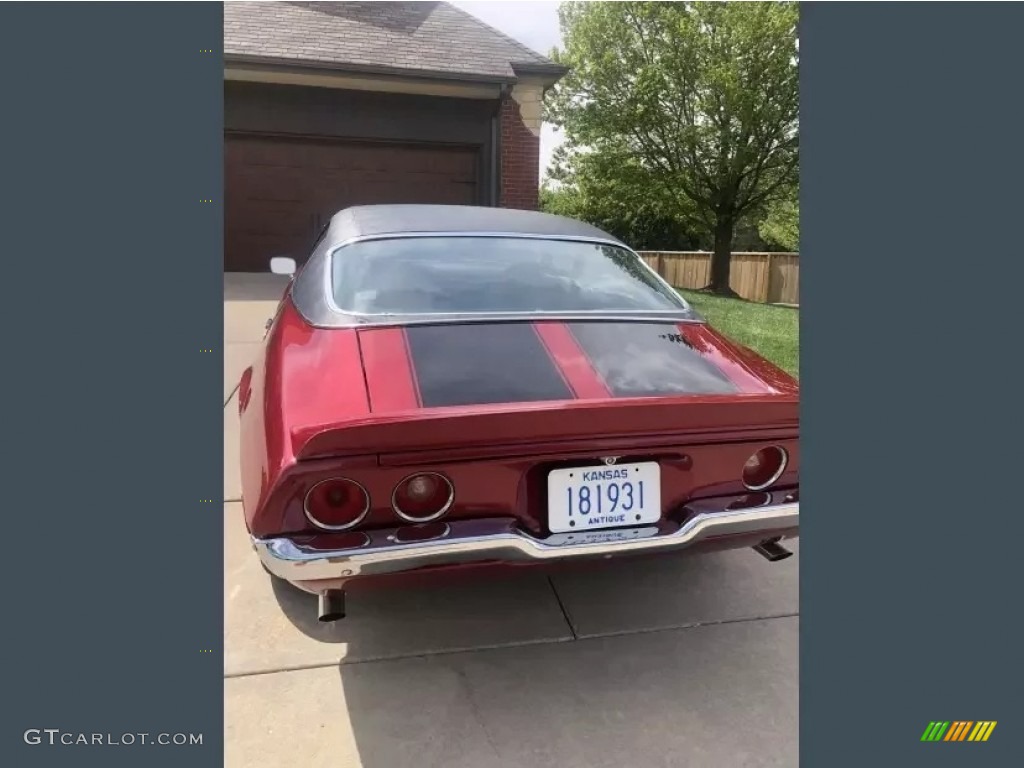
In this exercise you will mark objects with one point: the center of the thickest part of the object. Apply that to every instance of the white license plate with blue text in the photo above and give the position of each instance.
(585, 498)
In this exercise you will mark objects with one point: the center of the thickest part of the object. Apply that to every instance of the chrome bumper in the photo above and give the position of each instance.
(499, 540)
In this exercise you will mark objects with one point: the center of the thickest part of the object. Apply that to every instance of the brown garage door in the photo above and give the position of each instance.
(279, 192)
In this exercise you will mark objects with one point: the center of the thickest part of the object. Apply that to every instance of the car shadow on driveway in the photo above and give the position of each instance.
(721, 695)
(442, 611)
(435, 614)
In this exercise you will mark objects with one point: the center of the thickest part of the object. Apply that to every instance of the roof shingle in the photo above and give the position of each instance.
(415, 37)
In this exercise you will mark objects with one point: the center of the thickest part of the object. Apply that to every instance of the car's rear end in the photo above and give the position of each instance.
(456, 444)
(446, 387)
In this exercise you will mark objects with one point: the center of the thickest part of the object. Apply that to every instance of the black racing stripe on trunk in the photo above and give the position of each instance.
(478, 364)
(648, 360)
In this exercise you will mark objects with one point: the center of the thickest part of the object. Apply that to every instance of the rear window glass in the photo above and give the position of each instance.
(431, 275)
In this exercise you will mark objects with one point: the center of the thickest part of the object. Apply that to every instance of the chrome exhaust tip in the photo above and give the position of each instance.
(772, 551)
(331, 605)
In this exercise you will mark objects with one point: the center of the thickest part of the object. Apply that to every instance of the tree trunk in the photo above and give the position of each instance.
(721, 258)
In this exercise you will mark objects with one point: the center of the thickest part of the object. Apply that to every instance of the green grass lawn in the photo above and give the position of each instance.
(773, 332)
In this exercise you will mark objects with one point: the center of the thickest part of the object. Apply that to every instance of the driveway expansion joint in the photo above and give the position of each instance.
(504, 646)
(565, 612)
(690, 625)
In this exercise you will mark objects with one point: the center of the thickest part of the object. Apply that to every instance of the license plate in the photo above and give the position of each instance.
(620, 495)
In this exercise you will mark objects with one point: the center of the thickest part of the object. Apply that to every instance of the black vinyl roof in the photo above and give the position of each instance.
(377, 220)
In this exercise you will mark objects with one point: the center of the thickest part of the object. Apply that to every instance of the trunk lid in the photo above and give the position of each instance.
(499, 388)
(436, 366)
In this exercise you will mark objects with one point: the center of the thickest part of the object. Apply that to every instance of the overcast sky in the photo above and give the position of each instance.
(532, 23)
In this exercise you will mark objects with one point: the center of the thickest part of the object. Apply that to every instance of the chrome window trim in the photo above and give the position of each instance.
(333, 316)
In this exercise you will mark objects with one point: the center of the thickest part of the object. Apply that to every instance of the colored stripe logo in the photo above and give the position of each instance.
(958, 730)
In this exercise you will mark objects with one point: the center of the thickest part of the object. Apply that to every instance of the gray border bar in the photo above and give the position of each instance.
(111, 135)
(911, 131)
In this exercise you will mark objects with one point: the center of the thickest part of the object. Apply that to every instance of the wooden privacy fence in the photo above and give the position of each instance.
(770, 278)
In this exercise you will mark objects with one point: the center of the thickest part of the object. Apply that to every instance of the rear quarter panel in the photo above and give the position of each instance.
(298, 375)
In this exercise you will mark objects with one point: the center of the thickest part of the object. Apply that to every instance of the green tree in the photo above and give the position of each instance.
(612, 193)
(781, 225)
(696, 104)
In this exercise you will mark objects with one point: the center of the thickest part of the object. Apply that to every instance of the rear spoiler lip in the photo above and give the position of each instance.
(497, 430)
(581, 447)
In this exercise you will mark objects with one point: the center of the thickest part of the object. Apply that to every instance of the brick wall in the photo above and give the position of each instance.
(520, 160)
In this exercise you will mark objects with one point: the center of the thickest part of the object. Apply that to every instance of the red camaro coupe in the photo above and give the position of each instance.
(449, 386)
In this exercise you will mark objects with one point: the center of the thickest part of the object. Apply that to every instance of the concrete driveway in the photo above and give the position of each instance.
(661, 662)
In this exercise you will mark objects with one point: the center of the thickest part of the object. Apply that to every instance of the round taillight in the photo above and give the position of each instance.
(423, 497)
(337, 504)
(764, 468)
